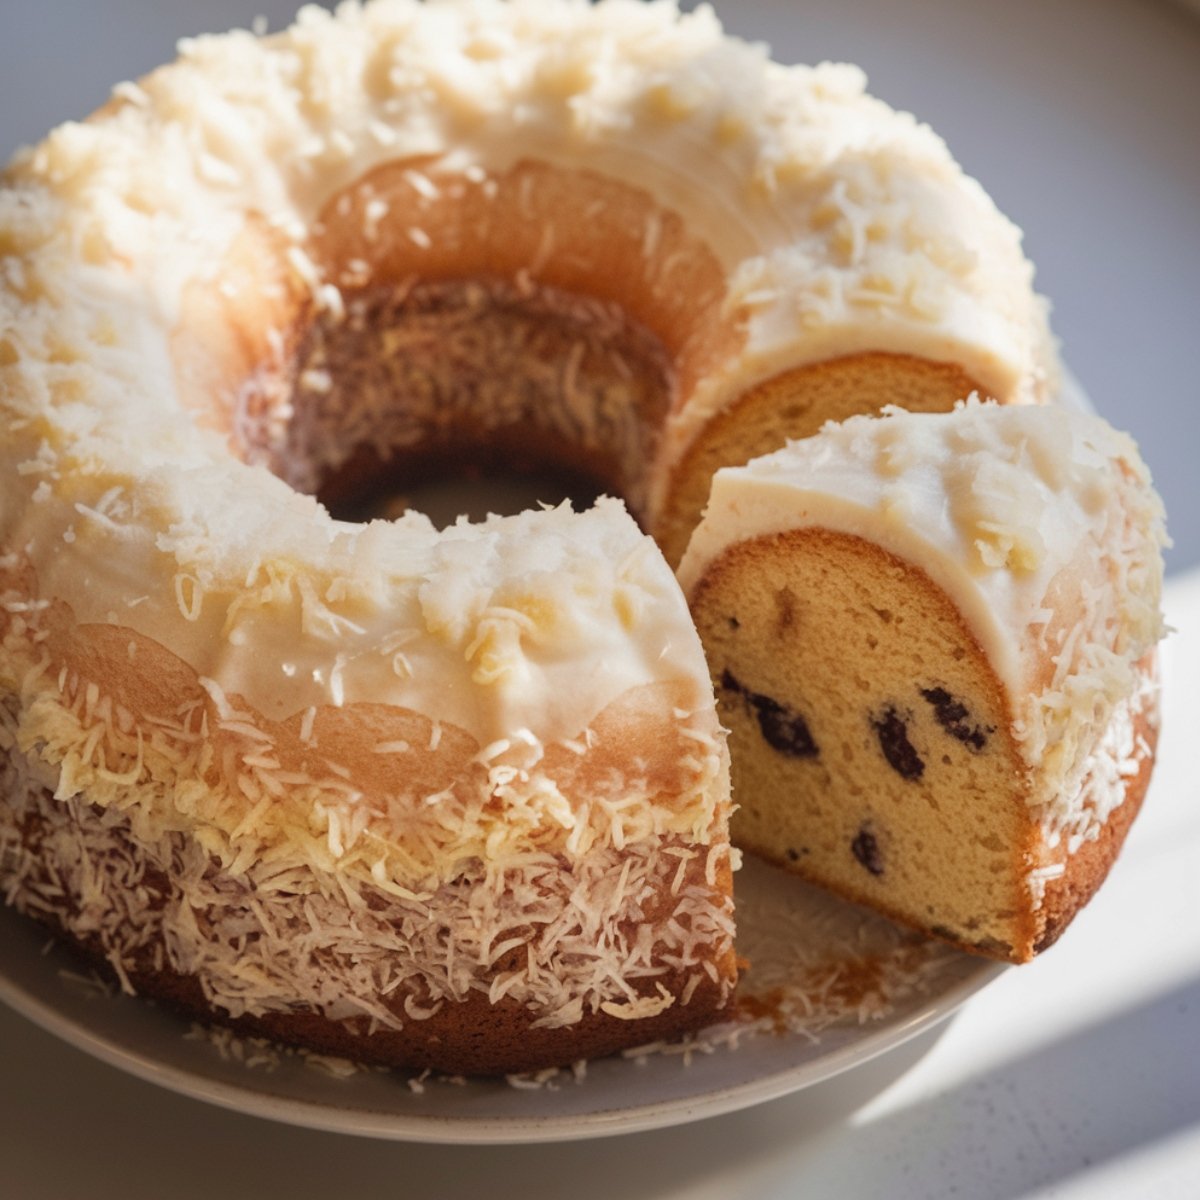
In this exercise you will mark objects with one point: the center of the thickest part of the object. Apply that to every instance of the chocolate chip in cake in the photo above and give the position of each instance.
(783, 728)
(865, 848)
(954, 717)
(793, 855)
(892, 731)
(734, 623)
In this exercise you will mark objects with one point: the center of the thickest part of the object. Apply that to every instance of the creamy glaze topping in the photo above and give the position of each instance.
(123, 504)
(841, 224)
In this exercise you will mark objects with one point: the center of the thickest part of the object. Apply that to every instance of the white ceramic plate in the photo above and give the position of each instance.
(793, 934)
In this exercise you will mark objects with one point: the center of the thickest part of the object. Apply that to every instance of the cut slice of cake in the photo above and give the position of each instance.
(933, 637)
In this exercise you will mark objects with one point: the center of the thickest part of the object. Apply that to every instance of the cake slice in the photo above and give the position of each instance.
(933, 638)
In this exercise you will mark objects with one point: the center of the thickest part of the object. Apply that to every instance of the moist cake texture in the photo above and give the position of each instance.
(933, 638)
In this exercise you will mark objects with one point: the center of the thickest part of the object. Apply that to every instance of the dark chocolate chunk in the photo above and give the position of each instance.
(865, 848)
(953, 716)
(892, 730)
(783, 728)
(793, 855)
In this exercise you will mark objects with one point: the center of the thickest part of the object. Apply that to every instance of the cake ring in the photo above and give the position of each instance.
(452, 798)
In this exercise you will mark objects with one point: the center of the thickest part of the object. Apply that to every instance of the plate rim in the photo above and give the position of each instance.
(437, 1128)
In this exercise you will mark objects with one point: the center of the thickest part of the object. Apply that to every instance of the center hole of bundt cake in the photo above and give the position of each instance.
(471, 396)
(471, 482)
(438, 327)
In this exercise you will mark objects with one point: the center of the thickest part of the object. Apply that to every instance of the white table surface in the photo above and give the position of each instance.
(1077, 1076)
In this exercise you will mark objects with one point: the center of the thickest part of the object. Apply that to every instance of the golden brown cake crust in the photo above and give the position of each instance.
(1089, 866)
(795, 404)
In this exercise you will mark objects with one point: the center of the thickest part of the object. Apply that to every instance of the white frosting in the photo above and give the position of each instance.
(137, 518)
(843, 224)
(536, 621)
(1040, 525)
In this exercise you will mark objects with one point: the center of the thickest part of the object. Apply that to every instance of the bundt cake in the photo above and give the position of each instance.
(933, 638)
(453, 799)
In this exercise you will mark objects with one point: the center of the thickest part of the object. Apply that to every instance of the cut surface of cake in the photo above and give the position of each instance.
(933, 637)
